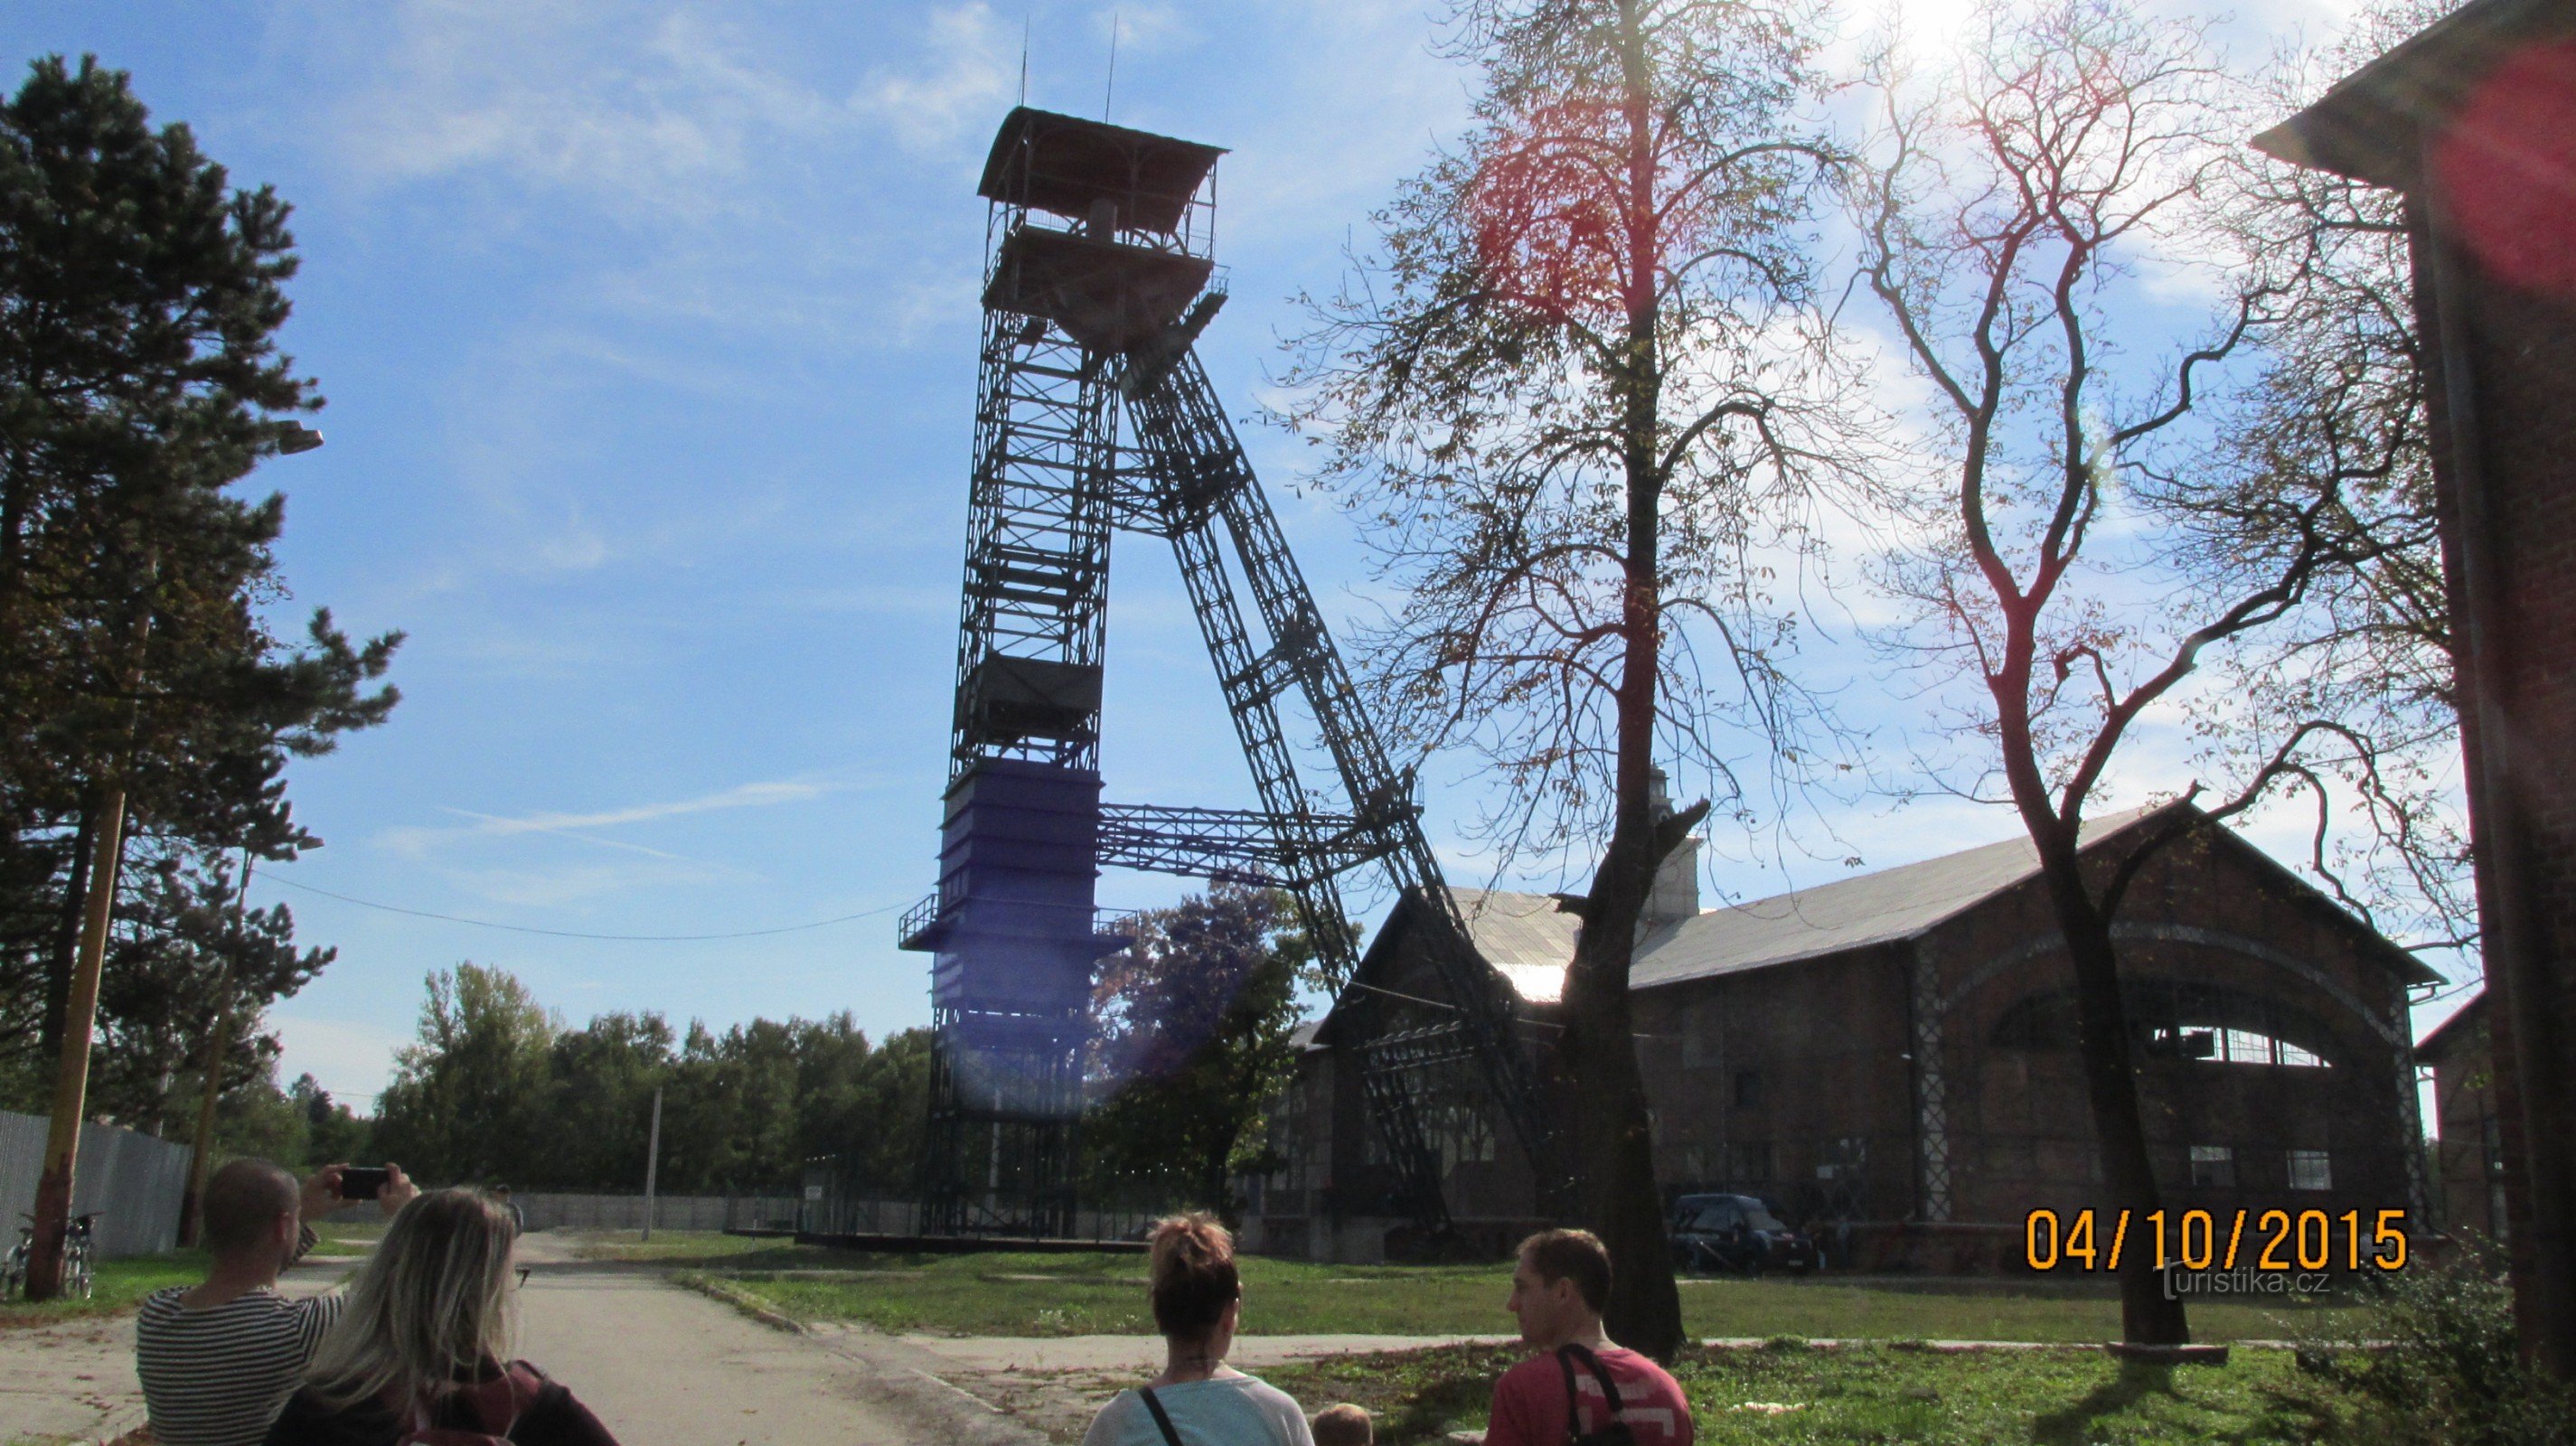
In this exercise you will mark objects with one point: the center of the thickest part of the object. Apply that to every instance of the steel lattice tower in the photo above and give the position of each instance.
(1097, 281)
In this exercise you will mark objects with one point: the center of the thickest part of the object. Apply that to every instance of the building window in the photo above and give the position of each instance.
(1843, 1159)
(1748, 1089)
(2311, 1170)
(1700, 1021)
(1748, 1162)
(2249, 1046)
(2213, 1165)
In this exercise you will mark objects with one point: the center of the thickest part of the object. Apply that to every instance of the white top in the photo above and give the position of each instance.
(1233, 1410)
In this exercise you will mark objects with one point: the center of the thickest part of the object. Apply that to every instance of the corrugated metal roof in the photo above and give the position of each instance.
(1531, 942)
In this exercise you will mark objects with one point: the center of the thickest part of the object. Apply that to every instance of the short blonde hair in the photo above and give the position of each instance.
(433, 1300)
(1342, 1425)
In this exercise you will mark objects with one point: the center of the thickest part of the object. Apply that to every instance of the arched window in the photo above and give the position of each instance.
(2169, 1019)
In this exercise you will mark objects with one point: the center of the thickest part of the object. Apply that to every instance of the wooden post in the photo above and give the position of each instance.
(71, 1078)
(652, 1161)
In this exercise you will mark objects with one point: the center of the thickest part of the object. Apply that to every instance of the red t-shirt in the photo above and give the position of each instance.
(1529, 1401)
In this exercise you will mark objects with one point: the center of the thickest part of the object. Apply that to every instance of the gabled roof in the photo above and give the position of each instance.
(2455, 1031)
(2371, 125)
(1881, 908)
(1530, 942)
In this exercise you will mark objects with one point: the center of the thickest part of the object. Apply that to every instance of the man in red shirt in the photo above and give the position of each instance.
(1558, 1290)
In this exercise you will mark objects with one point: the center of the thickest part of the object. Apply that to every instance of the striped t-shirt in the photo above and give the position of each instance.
(216, 1377)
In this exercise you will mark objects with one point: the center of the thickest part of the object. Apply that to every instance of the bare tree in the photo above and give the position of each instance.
(2367, 661)
(1575, 395)
(2118, 519)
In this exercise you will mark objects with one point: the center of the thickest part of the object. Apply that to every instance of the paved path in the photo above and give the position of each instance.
(76, 1380)
(668, 1367)
(661, 1365)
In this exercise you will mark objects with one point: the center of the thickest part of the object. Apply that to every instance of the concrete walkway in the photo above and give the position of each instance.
(75, 1381)
(660, 1365)
(668, 1367)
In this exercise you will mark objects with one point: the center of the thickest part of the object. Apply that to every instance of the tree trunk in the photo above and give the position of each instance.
(2149, 1315)
(1614, 1138)
(1614, 1130)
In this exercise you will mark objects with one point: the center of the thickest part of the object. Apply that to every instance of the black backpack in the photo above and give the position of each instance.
(1614, 1434)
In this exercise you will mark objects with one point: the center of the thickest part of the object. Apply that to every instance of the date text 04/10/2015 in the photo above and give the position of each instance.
(2279, 1240)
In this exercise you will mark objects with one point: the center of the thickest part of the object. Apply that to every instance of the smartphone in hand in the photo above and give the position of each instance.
(361, 1182)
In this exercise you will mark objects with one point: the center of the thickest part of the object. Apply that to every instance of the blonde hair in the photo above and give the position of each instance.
(434, 1299)
(1342, 1425)
(1193, 1276)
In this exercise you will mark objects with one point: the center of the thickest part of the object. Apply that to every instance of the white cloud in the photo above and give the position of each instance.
(649, 113)
(967, 72)
(1144, 29)
(417, 842)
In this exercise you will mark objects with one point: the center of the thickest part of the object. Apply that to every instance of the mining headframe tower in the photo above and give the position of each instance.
(1099, 276)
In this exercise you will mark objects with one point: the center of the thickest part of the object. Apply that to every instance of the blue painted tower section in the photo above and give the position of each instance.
(1019, 859)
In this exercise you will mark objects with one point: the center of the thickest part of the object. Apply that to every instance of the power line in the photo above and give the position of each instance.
(577, 934)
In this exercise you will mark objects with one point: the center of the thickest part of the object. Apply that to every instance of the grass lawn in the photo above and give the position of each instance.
(345, 1242)
(1063, 1295)
(1872, 1394)
(120, 1284)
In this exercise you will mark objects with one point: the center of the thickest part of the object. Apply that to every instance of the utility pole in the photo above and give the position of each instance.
(53, 1217)
(71, 1078)
(98, 909)
(201, 1160)
(652, 1161)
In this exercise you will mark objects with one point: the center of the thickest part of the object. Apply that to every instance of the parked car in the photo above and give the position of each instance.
(1737, 1233)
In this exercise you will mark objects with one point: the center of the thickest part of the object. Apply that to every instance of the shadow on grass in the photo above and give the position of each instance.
(2136, 1381)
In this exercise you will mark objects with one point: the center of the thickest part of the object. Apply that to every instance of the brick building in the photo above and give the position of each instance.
(2470, 1187)
(2469, 120)
(1895, 1051)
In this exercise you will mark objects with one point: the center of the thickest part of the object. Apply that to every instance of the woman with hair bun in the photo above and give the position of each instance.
(1198, 1400)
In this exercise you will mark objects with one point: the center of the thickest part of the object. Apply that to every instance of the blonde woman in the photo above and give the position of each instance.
(421, 1345)
(1198, 1400)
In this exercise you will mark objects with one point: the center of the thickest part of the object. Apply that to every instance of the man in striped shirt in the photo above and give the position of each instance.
(219, 1359)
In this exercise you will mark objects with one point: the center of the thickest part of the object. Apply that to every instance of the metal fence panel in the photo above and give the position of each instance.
(134, 1181)
(568, 1210)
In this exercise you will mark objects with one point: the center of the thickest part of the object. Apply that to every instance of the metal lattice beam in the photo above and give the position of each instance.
(1237, 843)
(1203, 483)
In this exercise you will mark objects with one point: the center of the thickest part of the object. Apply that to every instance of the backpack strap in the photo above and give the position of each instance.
(1566, 1356)
(1162, 1419)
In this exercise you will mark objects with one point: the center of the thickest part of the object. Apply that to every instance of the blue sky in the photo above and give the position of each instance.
(649, 334)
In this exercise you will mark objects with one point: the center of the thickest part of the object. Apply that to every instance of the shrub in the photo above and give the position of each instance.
(2431, 1357)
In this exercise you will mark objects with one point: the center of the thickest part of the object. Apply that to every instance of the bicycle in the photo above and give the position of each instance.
(80, 1269)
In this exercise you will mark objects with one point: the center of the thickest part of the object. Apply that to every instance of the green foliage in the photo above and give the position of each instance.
(496, 1090)
(140, 298)
(2432, 1356)
(462, 1103)
(333, 1133)
(1192, 1045)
